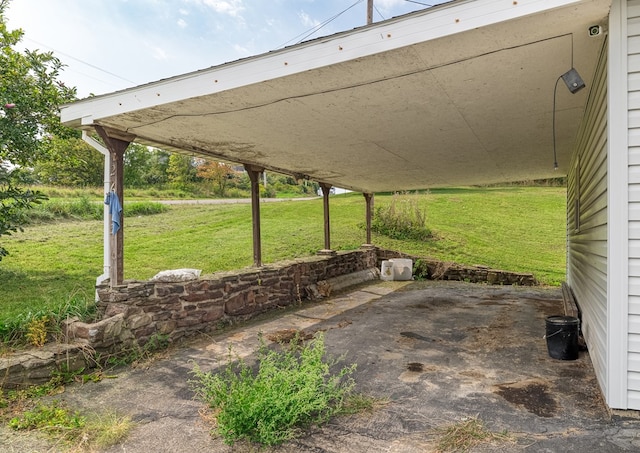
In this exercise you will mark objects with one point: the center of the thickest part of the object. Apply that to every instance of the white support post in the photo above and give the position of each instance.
(107, 227)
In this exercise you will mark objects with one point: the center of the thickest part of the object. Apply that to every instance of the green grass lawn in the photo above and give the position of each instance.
(513, 228)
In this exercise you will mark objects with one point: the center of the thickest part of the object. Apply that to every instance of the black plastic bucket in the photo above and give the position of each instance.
(562, 337)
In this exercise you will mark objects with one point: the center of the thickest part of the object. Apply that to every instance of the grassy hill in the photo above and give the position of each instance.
(512, 228)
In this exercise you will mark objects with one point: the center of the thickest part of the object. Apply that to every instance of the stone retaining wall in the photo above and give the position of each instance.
(136, 312)
(432, 269)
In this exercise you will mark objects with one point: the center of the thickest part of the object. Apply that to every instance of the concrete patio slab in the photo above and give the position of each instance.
(439, 351)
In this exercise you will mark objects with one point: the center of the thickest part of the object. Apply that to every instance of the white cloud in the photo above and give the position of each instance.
(158, 53)
(306, 20)
(240, 49)
(182, 23)
(232, 8)
(388, 4)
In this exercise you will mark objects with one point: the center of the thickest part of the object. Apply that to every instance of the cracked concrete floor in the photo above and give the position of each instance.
(439, 351)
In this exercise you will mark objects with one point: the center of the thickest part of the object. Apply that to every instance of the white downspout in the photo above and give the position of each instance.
(107, 184)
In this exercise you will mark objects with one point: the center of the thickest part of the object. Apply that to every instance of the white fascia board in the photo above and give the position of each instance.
(437, 22)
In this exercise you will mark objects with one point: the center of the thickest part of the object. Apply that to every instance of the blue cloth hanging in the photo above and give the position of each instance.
(115, 209)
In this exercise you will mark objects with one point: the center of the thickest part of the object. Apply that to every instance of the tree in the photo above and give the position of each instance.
(137, 160)
(158, 166)
(70, 162)
(30, 95)
(13, 202)
(181, 171)
(218, 173)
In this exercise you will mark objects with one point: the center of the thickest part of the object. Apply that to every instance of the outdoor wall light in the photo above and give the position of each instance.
(573, 80)
(574, 83)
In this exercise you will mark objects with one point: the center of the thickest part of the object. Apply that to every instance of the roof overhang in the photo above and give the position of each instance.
(458, 94)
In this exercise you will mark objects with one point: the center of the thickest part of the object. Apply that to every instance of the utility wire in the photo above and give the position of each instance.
(418, 3)
(378, 11)
(81, 61)
(307, 33)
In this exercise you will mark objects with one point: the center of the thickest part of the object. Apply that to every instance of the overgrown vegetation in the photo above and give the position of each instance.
(50, 418)
(402, 218)
(70, 428)
(85, 208)
(136, 354)
(36, 327)
(32, 409)
(463, 436)
(293, 388)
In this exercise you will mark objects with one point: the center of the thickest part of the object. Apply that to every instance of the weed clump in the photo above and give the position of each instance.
(401, 219)
(469, 433)
(292, 389)
(51, 418)
(38, 327)
(61, 424)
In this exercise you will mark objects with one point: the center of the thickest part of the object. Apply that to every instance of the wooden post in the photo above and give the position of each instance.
(116, 147)
(368, 198)
(369, 12)
(254, 176)
(326, 189)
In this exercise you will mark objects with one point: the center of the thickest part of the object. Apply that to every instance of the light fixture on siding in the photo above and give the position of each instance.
(574, 83)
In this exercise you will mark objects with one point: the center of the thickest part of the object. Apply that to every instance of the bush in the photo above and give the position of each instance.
(144, 208)
(82, 208)
(401, 219)
(86, 209)
(290, 390)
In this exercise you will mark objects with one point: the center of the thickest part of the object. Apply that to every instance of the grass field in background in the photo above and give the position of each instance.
(512, 228)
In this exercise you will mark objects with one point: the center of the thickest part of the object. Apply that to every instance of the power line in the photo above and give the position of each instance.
(418, 3)
(317, 27)
(378, 11)
(81, 61)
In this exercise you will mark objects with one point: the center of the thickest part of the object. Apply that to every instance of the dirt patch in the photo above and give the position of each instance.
(495, 336)
(548, 307)
(532, 394)
(416, 367)
(286, 335)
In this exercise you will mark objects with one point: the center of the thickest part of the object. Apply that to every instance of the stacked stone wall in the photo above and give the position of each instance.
(136, 311)
(132, 314)
(431, 269)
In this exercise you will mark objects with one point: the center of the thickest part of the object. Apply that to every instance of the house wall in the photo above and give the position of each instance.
(587, 246)
(633, 144)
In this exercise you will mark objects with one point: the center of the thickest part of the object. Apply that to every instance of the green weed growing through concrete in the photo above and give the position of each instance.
(291, 389)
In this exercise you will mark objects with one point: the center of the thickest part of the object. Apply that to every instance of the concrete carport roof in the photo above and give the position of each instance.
(458, 94)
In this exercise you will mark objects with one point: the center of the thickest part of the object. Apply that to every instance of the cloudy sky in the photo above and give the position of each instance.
(109, 45)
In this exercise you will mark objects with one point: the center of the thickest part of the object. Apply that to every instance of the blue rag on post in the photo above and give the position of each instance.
(115, 209)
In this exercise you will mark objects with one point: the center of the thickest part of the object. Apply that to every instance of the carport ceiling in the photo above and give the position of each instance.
(455, 95)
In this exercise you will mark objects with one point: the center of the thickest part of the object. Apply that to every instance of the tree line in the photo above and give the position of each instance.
(36, 149)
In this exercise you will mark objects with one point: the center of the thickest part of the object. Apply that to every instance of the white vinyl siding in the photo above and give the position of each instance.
(587, 247)
(633, 61)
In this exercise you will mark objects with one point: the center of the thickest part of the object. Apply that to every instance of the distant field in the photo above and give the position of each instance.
(513, 228)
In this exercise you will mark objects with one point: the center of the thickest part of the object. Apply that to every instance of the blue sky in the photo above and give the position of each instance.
(109, 45)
